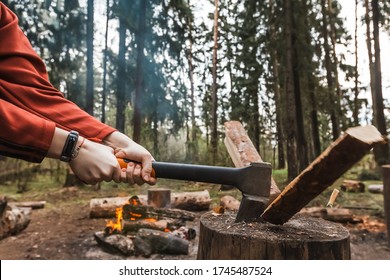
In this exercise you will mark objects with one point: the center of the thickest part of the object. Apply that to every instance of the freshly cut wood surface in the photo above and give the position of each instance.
(243, 152)
(341, 155)
(301, 238)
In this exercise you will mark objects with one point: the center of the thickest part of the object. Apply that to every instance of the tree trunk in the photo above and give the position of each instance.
(278, 101)
(89, 96)
(381, 152)
(386, 197)
(356, 76)
(214, 97)
(139, 78)
(291, 124)
(105, 55)
(303, 238)
(121, 77)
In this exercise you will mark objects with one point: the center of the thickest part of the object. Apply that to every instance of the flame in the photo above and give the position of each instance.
(116, 226)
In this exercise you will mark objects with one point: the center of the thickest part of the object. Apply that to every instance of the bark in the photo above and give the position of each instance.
(356, 76)
(352, 186)
(323, 172)
(149, 241)
(129, 211)
(291, 125)
(29, 204)
(14, 220)
(121, 76)
(90, 83)
(329, 73)
(386, 197)
(191, 201)
(139, 79)
(303, 238)
(105, 55)
(214, 97)
(381, 152)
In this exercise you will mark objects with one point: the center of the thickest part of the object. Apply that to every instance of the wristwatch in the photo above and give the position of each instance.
(70, 146)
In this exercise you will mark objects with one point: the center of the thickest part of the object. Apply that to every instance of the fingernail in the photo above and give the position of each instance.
(146, 177)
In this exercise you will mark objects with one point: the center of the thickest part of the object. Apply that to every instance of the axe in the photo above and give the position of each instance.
(253, 181)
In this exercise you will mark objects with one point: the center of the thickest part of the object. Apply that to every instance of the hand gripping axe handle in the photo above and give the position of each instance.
(253, 181)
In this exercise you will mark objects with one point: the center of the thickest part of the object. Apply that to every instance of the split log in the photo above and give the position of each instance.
(14, 220)
(386, 197)
(142, 211)
(148, 242)
(159, 198)
(229, 203)
(347, 150)
(194, 201)
(302, 238)
(191, 201)
(29, 204)
(352, 186)
(162, 225)
(243, 152)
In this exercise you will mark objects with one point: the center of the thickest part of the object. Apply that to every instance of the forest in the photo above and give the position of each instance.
(170, 73)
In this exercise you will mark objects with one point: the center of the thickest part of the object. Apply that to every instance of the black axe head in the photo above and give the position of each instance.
(254, 184)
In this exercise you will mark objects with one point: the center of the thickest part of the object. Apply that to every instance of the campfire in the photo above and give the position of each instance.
(140, 229)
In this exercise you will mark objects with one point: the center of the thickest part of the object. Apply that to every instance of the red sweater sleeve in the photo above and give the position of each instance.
(22, 134)
(24, 83)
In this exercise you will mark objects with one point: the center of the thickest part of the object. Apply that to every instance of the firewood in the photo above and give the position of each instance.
(30, 204)
(149, 242)
(229, 202)
(105, 207)
(159, 197)
(377, 188)
(243, 152)
(191, 201)
(115, 243)
(323, 172)
(134, 226)
(14, 220)
(352, 186)
(156, 213)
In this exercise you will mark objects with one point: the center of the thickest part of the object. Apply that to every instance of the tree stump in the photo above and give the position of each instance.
(386, 197)
(301, 238)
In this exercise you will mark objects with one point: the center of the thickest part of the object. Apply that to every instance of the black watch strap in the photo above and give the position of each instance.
(70, 146)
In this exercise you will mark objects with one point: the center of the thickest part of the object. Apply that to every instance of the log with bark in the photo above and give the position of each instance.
(29, 204)
(301, 238)
(243, 152)
(352, 186)
(191, 201)
(347, 150)
(148, 242)
(162, 225)
(115, 243)
(194, 201)
(142, 211)
(14, 220)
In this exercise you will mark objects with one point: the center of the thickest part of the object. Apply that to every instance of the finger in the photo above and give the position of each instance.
(137, 175)
(146, 168)
(129, 173)
(116, 176)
